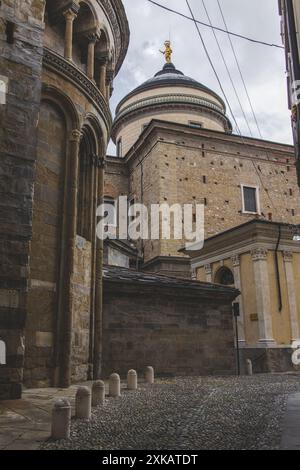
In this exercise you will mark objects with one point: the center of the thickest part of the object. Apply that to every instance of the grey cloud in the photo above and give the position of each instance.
(263, 67)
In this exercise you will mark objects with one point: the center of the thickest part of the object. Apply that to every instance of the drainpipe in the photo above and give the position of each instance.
(279, 290)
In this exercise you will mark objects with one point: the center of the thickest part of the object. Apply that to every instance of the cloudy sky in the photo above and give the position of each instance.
(263, 67)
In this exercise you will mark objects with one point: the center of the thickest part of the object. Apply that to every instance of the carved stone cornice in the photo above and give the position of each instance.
(170, 101)
(60, 66)
(259, 254)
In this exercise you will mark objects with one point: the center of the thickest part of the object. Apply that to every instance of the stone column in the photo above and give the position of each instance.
(71, 229)
(236, 262)
(70, 15)
(263, 296)
(102, 79)
(92, 38)
(208, 272)
(291, 290)
(98, 331)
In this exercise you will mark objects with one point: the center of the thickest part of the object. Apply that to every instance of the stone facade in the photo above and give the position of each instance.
(178, 327)
(58, 62)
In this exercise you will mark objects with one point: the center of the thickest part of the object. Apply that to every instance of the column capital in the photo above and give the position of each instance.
(98, 161)
(92, 37)
(259, 254)
(236, 260)
(103, 61)
(288, 256)
(71, 14)
(75, 135)
(208, 269)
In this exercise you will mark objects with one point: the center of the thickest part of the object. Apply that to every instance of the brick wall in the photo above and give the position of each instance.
(178, 334)
(209, 167)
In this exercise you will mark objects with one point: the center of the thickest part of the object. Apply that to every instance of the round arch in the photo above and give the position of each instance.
(66, 105)
(224, 276)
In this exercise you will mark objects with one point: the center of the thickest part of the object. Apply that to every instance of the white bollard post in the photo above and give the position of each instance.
(114, 386)
(149, 375)
(61, 419)
(132, 380)
(83, 403)
(249, 367)
(98, 393)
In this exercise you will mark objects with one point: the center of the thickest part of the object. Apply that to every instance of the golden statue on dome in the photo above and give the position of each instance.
(168, 52)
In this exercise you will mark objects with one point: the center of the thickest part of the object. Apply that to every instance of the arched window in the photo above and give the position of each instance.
(224, 277)
(86, 185)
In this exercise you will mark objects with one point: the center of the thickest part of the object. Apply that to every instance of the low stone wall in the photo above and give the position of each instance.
(178, 329)
(268, 360)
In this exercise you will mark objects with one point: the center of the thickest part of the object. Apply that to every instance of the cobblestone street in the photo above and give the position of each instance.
(190, 413)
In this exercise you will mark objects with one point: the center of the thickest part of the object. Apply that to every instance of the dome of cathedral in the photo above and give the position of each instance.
(168, 96)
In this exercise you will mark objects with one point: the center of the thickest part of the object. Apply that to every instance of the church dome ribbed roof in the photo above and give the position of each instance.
(167, 77)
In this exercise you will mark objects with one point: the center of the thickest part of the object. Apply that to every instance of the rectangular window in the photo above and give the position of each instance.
(250, 199)
(195, 124)
(131, 218)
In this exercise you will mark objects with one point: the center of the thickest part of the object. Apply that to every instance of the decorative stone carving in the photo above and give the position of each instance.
(288, 256)
(208, 269)
(98, 161)
(72, 73)
(259, 254)
(75, 136)
(236, 261)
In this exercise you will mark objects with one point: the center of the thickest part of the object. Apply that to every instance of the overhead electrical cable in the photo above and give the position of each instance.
(240, 71)
(227, 69)
(213, 67)
(219, 81)
(263, 43)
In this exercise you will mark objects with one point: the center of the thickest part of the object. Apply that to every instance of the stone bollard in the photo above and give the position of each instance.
(83, 403)
(114, 386)
(98, 393)
(61, 419)
(132, 380)
(249, 367)
(149, 375)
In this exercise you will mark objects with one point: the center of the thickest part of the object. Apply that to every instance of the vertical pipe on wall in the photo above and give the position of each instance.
(279, 290)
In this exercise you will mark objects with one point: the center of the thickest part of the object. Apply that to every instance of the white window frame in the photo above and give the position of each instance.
(257, 189)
